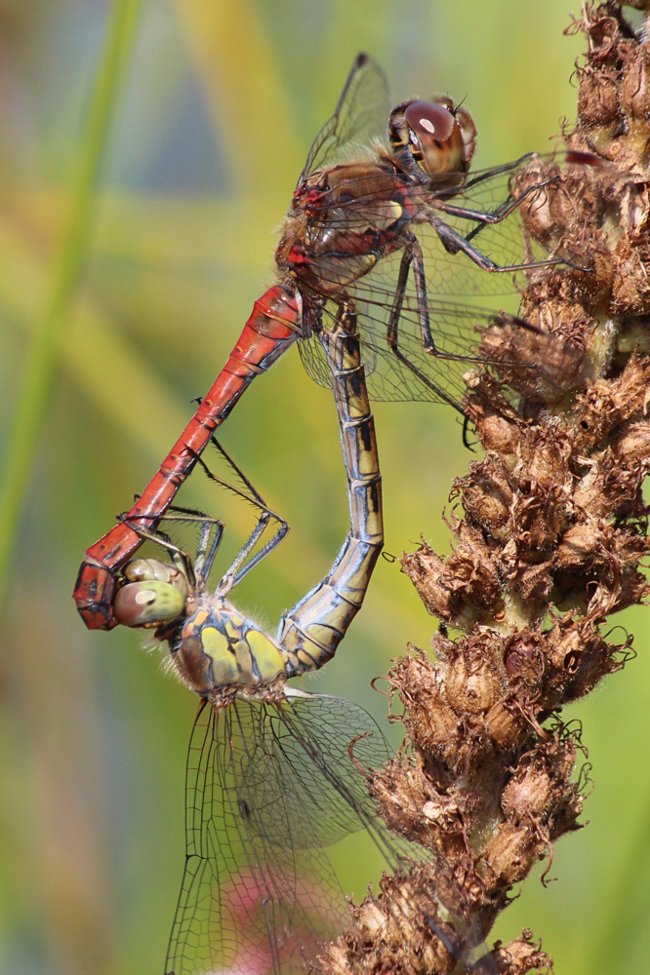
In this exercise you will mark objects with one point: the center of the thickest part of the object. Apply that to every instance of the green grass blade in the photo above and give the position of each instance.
(43, 352)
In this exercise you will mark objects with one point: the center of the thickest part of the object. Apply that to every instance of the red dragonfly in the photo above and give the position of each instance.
(349, 243)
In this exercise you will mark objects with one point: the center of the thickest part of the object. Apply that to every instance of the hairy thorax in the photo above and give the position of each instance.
(341, 222)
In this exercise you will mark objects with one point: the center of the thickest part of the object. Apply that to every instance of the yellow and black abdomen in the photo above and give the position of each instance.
(311, 632)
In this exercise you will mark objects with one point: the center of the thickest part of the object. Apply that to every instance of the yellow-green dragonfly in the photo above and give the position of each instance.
(271, 781)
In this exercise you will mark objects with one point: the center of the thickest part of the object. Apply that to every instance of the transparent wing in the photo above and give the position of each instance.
(532, 363)
(360, 115)
(319, 731)
(457, 332)
(469, 212)
(268, 788)
(456, 292)
(466, 210)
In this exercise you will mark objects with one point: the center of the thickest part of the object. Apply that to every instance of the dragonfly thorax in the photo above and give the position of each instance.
(432, 137)
(218, 652)
(342, 221)
(215, 650)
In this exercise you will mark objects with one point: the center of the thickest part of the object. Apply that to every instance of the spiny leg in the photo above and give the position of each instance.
(491, 217)
(412, 256)
(454, 241)
(212, 532)
(179, 557)
(475, 179)
(238, 569)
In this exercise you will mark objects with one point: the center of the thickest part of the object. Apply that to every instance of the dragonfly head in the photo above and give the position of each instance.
(153, 593)
(432, 137)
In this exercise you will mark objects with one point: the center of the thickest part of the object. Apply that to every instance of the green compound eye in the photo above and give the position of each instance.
(149, 570)
(148, 603)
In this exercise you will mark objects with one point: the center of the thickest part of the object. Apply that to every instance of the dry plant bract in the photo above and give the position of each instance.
(553, 534)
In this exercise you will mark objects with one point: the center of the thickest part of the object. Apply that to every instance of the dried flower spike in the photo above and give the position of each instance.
(553, 534)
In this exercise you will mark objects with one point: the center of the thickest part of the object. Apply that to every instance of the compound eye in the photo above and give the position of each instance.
(149, 603)
(436, 138)
(143, 570)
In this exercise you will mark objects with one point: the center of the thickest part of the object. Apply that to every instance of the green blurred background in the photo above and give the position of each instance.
(222, 99)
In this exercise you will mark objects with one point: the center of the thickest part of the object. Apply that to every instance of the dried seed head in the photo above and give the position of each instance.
(553, 538)
(512, 854)
(540, 366)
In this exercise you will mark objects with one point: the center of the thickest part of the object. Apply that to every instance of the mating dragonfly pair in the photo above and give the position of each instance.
(270, 777)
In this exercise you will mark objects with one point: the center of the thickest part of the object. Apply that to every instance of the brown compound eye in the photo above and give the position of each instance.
(432, 137)
(430, 120)
(436, 137)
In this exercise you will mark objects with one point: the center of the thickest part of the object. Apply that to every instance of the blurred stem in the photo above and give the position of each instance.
(43, 355)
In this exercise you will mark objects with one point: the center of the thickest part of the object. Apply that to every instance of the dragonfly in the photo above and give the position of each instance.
(390, 231)
(273, 773)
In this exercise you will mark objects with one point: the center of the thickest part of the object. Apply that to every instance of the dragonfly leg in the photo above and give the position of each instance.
(193, 572)
(212, 532)
(273, 326)
(162, 538)
(454, 241)
(152, 593)
(311, 632)
(206, 550)
(412, 257)
(240, 567)
(474, 180)
(489, 217)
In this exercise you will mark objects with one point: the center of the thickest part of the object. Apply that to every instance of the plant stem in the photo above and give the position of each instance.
(43, 354)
